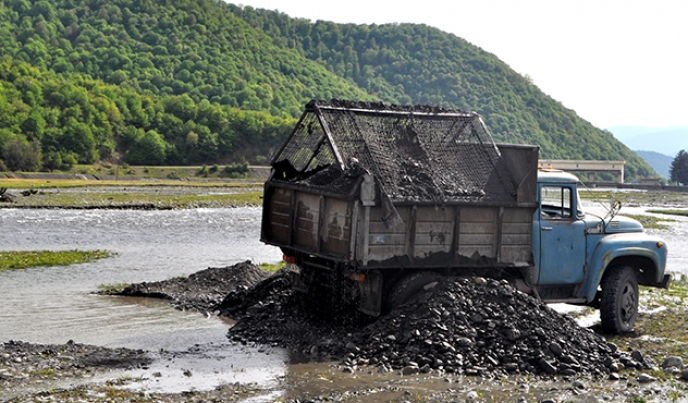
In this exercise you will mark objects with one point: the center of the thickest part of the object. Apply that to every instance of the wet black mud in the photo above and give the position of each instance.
(202, 291)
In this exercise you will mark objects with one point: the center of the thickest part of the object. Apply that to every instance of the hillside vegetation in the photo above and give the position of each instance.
(203, 81)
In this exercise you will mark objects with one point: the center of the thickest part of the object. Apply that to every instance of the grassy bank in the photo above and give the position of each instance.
(682, 213)
(649, 222)
(112, 186)
(637, 198)
(104, 171)
(164, 194)
(23, 259)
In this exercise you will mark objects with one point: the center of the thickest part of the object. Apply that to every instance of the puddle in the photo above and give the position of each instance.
(210, 361)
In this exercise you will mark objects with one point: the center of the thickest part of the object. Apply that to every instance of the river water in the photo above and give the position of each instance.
(57, 304)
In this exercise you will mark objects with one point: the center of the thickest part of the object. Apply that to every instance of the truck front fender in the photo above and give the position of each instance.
(636, 250)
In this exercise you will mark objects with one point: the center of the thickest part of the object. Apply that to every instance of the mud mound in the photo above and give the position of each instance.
(270, 313)
(470, 326)
(272, 291)
(204, 290)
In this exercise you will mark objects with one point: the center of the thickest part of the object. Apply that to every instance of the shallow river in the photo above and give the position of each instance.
(54, 305)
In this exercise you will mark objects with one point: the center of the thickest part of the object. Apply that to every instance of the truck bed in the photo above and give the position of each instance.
(427, 236)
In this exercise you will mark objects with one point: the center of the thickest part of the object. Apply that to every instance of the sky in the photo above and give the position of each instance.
(616, 63)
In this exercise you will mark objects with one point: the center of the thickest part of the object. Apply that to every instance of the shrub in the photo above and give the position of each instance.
(21, 155)
(235, 170)
(202, 172)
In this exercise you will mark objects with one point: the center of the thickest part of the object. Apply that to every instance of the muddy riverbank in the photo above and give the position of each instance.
(338, 365)
(74, 372)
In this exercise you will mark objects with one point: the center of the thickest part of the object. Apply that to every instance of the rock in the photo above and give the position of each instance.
(410, 370)
(348, 370)
(672, 371)
(352, 347)
(616, 367)
(673, 361)
(472, 396)
(643, 360)
(645, 378)
(555, 348)
(547, 367)
(512, 334)
(579, 385)
(684, 375)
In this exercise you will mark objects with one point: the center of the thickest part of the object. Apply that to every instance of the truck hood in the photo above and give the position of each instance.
(618, 225)
(621, 224)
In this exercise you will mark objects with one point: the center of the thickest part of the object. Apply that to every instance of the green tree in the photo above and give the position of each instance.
(21, 155)
(149, 150)
(78, 138)
(34, 125)
(679, 168)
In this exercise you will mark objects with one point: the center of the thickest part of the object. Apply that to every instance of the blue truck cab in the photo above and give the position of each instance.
(588, 259)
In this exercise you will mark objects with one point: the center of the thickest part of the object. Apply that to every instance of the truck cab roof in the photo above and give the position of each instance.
(550, 175)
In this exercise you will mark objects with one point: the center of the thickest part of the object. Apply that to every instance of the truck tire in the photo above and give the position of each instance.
(619, 302)
(409, 286)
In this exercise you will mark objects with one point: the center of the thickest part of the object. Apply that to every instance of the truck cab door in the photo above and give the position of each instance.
(562, 236)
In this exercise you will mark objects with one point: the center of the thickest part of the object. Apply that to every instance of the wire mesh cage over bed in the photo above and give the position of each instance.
(415, 153)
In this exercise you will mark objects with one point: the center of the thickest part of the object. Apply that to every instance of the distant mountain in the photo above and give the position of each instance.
(664, 140)
(659, 162)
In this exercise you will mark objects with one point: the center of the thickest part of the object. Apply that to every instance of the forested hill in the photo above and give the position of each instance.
(203, 81)
(410, 63)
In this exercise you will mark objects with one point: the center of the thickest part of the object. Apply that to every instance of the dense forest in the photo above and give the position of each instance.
(203, 81)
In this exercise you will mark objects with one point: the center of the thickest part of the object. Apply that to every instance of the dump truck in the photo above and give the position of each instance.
(371, 203)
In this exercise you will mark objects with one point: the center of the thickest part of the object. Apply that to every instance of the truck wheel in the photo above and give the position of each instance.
(409, 286)
(619, 302)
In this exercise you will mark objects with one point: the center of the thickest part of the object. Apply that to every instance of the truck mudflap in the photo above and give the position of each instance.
(370, 292)
(297, 281)
(665, 283)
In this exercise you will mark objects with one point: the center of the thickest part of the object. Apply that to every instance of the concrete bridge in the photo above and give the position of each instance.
(590, 167)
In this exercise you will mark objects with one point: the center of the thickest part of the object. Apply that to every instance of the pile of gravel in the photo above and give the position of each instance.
(471, 326)
(201, 291)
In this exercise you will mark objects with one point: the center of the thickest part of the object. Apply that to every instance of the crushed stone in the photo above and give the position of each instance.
(471, 326)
